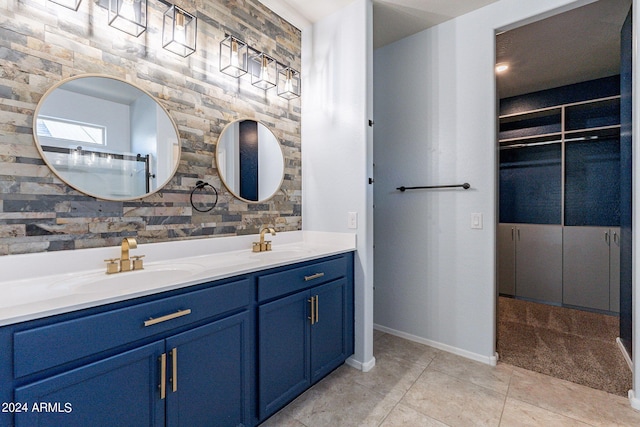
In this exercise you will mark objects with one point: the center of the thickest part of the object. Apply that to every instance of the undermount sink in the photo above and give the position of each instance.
(151, 275)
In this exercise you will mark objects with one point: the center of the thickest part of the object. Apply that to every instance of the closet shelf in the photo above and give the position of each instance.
(578, 121)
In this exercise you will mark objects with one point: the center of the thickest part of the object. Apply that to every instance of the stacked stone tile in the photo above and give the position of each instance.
(42, 43)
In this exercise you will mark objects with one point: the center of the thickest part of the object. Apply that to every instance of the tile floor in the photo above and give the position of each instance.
(416, 385)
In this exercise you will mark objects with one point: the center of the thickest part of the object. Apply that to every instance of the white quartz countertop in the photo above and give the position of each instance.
(44, 284)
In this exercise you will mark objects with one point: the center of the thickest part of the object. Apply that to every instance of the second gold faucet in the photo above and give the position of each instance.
(263, 245)
(124, 263)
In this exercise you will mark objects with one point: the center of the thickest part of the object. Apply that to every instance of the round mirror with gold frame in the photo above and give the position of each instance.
(250, 160)
(106, 137)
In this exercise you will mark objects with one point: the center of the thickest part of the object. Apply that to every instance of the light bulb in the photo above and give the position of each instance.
(288, 85)
(127, 11)
(264, 70)
(234, 54)
(179, 33)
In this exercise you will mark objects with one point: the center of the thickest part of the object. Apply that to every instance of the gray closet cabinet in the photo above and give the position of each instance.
(506, 259)
(591, 271)
(530, 261)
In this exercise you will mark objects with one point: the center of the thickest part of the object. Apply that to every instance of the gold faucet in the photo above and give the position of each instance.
(263, 245)
(124, 263)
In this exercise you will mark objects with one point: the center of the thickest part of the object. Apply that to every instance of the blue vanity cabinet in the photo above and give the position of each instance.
(182, 360)
(283, 348)
(227, 353)
(304, 335)
(209, 379)
(332, 332)
(103, 393)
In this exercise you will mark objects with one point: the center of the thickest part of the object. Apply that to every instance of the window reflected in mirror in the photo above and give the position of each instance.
(106, 138)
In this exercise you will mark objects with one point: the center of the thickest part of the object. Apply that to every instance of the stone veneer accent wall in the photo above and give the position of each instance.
(42, 43)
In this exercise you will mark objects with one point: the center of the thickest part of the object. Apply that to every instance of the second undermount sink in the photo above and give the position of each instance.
(150, 276)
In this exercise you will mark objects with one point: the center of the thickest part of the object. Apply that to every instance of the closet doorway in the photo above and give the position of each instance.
(564, 182)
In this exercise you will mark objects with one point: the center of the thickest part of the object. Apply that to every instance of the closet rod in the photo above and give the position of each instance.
(466, 186)
(530, 144)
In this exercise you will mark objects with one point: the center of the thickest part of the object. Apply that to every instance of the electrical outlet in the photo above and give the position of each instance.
(352, 221)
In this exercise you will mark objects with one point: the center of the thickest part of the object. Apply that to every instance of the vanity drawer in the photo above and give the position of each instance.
(48, 346)
(296, 279)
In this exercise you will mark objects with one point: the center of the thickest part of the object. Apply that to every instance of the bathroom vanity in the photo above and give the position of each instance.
(221, 344)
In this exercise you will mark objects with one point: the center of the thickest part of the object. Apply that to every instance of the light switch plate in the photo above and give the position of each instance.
(352, 221)
(476, 221)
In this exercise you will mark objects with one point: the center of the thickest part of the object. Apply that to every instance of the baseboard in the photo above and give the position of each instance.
(635, 402)
(626, 356)
(488, 360)
(361, 366)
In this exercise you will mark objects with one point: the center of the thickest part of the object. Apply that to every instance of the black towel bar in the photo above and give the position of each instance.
(466, 186)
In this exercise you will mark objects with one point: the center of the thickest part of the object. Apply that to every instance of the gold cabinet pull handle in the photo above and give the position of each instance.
(313, 314)
(174, 370)
(313, 276)
(155, 321)
(317, 311)
(163, 376)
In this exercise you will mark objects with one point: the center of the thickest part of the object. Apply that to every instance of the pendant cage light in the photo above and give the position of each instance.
(289, 83)
(264, 71)
(69, 4)
(129, 16)
(233, 57)
(179, 31)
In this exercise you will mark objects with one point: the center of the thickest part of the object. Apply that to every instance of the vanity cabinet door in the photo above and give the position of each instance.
(283, 351)
(104, 393)
(331, 332)
(302, 338)
(209, 374)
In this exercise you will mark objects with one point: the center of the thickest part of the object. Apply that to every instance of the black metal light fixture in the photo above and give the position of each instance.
(288, 83)
(266, 72)
(179, 30)
(179, 27)
(233, 56)
(129, 16)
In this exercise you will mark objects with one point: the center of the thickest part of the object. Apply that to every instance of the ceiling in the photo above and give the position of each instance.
(579, 45)
(392, 19)
(396, 19)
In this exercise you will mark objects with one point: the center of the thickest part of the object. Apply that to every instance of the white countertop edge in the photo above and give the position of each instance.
(298, 246)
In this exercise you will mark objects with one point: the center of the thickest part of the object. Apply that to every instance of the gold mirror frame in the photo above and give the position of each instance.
(223, 170)
(173, 145)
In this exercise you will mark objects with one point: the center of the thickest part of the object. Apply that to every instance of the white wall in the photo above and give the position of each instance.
(435, 114)
(336, 145)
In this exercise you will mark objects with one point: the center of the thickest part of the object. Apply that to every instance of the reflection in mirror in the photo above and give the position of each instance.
(250, 160)
(106, 137)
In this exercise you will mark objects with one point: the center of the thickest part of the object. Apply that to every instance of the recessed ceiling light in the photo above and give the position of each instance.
(502, 67)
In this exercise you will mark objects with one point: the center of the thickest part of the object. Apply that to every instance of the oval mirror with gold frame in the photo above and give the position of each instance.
(250, 160)
(106, 137)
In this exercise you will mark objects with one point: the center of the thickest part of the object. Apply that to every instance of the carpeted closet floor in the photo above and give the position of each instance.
(573, 345)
